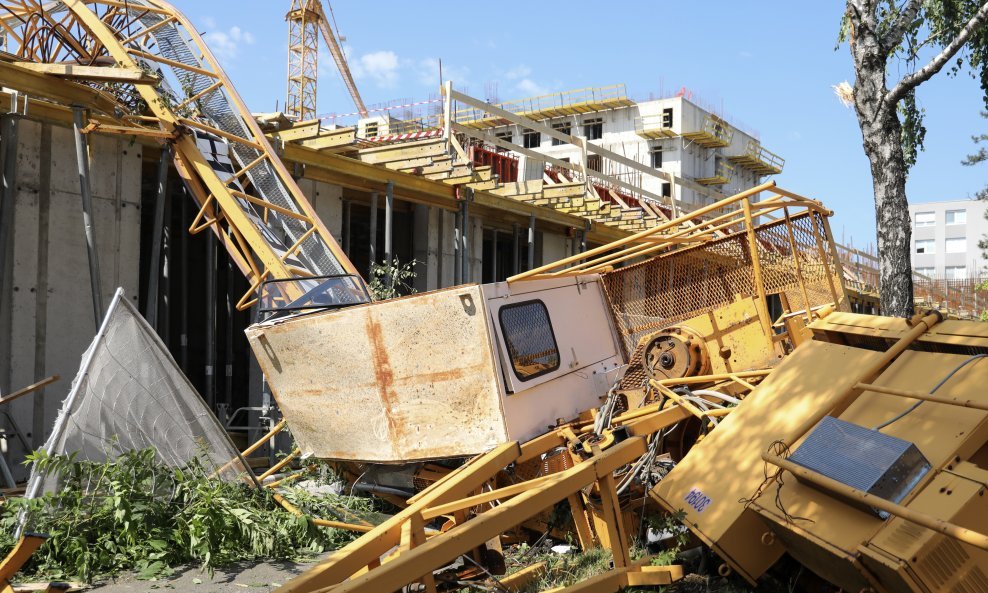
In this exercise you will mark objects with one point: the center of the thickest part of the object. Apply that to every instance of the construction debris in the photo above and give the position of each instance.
(687, 366)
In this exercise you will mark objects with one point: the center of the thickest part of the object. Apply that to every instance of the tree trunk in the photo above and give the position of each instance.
(881, 132)
(883, 145)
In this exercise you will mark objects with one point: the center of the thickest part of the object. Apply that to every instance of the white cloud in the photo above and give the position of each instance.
(226, 45)
(428, 73)
(520, 71)
(530, 87)
(380, 66)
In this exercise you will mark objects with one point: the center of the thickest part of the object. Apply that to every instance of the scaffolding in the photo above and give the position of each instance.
(576, 102)
(723, 171)
(759, 159)
(715, 133)
(654, 127)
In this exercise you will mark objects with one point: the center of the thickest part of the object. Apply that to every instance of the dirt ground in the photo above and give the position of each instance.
(242, 578)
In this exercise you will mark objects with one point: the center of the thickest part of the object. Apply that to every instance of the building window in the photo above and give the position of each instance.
(667, 117)
(928, 272)
(595, 163)
(666, 190)
(370, 129)
(925, 246)
(562, 128)
(956, 216)
(531, 139)
(925, 219)
(506, 136)
(657, 157)
(956, 245)
(955, 273)
(593, 128)
(529, 338)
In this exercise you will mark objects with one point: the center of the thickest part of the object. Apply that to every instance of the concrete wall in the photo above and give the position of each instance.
(48, 306)
(328, 201)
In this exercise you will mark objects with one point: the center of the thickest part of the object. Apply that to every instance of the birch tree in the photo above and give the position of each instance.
(918, 38)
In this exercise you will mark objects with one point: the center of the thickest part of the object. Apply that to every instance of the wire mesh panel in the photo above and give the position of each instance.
(130, 395)
(529, 338)
(654, 294)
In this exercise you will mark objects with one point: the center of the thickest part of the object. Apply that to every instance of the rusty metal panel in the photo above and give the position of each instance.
(394, 381)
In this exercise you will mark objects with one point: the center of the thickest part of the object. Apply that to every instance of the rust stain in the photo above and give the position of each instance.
(384, 375)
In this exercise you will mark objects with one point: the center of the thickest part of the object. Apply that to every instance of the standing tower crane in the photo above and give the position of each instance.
(306, 20)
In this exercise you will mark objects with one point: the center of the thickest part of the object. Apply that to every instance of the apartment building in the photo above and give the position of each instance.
(945, 238)
(674, 135)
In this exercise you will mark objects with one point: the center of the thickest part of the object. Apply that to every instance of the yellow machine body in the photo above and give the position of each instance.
(750, 520)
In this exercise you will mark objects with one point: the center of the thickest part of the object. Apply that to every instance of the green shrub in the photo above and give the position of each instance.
(136, 514)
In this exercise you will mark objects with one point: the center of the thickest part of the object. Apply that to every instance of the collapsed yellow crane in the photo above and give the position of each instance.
(183, 99)
(306, 20)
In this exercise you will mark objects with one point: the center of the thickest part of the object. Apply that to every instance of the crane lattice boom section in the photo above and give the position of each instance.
(303, 59)
(245, 195)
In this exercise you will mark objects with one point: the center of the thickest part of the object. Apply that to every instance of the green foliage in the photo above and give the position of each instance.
(135, 514)
(913, 130)
(388, 282)
(910, 33)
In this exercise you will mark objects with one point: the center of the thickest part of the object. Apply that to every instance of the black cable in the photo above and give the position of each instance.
(932, 391)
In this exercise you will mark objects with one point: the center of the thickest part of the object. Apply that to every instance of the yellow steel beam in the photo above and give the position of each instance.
(439, 550)
(369, 548)
(92, 73)
(65, 92)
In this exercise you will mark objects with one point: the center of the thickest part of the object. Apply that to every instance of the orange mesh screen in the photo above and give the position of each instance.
(662, 291)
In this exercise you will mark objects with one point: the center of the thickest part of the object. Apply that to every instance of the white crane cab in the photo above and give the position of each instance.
(449, 373)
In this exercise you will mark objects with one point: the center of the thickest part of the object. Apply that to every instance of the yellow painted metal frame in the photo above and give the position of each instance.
(115, 32)
(17, 557)
(411, 556)
(303, 59)
(688, 229)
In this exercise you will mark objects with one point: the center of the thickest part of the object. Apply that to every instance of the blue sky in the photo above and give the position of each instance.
(769, 65)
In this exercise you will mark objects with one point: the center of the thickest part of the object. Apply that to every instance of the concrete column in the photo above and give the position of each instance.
(82, 161)
(373, 236)
(458, 247)
(467, 273)
(515, 239)
(389, 206)
(154, 269)
(420, 246)
(183, 267)
(210, 395)
(435, 248)
(494, 261)
(345, 239)
(531, 242)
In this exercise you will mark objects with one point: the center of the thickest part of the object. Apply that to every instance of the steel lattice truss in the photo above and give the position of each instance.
(244, 193)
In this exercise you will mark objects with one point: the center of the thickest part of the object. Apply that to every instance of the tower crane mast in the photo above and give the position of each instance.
(306, 20)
